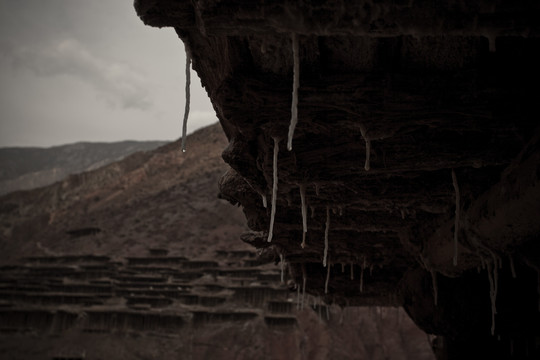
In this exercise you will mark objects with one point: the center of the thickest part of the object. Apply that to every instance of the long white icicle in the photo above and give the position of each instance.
(296, 84)
(367, 165)
(493, 282)
(456, 224)
(326, 230)
(434, 286)
(282, 265)
(512, 268)
(327, 279)
(304, 281)
(304, 214)
(274, 190)
(362, 275)
(186, 110)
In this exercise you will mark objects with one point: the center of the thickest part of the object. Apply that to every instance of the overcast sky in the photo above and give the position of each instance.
(79, 70)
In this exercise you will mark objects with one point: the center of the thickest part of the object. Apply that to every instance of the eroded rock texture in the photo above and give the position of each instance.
(439, 100)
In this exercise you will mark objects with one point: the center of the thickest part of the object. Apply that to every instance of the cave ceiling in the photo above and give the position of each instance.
(417, 126)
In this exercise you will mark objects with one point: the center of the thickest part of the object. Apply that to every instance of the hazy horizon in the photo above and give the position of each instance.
(178, 138)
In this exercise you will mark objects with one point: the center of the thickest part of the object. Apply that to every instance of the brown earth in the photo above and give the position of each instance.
(169, 200)
(157, 198)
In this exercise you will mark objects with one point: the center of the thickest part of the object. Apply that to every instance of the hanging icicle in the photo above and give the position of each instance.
(186, 110)
(362, 275)
(304, 281)
(327, 278)
(434, 286)
(326, 231)
(298, 297)
(456, 223)
(274, 190)
(296, 84)
(493, 285)
(512, 268)
(282, 264)
(538, 286)
(367, 165)
(304, 213)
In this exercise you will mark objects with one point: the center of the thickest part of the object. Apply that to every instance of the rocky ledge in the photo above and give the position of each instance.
(413, 174)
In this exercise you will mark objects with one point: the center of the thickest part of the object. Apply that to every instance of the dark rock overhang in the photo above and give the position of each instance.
(440, 99)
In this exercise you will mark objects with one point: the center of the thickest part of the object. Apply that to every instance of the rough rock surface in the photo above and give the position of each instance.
(437, 99)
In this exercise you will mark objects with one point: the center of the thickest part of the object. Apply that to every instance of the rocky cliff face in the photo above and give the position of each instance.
(415, 156)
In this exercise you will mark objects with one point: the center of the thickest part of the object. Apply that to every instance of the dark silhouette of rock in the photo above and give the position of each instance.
(415, 157)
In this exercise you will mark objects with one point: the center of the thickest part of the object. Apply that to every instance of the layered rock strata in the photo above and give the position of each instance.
(415, 153)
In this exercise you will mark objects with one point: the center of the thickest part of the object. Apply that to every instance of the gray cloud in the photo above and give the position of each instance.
(116, 83)
(73, 70)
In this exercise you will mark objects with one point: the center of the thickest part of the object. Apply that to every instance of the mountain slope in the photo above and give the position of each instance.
(157, 198)
(166, 199)
(23, 168)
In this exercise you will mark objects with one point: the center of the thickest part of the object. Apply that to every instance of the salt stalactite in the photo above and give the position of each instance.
(327, 278)
(327, 313)
(265, 203)
(296, 84)
(362, 275)
(368, 147)
(304, 214)
(326, 230)
(511, 348)
(317, 189)
(434, 286)
(493, 282)
(282, 264)
(186, 110)
(512, 268)
(298, 297)
(483, 262)
(312, 208)
(352, 271)
(538, 286)
(342, 268)
(274, 190)
(456, 223)
(304, 281)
